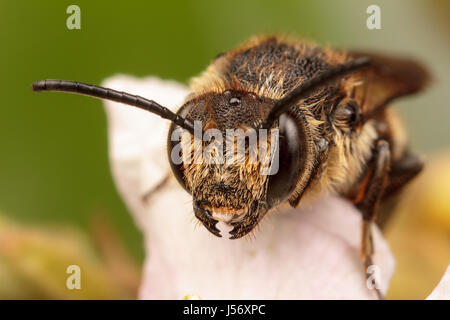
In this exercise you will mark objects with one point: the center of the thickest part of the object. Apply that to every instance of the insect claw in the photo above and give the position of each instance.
(235, 233)
(234, 237)
(239, 230)
(217, 234)
(213, 229)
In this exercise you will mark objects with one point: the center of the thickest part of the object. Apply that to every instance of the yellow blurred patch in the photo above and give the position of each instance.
(419, 232)
(191, 297)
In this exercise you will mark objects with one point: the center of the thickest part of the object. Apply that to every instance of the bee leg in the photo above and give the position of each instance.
(147, 195)
(402, 171)
(372, 192)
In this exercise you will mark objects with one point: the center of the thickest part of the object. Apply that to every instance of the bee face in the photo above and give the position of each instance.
(237, 172)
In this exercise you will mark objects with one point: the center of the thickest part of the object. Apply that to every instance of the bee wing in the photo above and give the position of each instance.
(389, 78)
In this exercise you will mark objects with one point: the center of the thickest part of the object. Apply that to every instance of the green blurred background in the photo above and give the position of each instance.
(53, 147)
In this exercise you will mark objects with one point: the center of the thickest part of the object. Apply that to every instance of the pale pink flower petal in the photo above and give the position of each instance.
(310, 253)
(137, 138)
(442, 290)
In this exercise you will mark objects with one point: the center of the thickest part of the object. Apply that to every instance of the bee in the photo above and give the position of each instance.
(330, 107)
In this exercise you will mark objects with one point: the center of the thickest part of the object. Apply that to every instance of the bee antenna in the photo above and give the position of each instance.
(306, 88)
(113, 95)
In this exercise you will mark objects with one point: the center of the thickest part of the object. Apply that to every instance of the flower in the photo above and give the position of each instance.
(308, 253)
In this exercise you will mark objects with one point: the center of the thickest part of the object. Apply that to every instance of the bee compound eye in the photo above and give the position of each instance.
(177, 166)
(290, 153)
(174, 149)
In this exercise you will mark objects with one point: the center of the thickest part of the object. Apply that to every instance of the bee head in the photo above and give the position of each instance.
(238, 186)
(235, 169)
